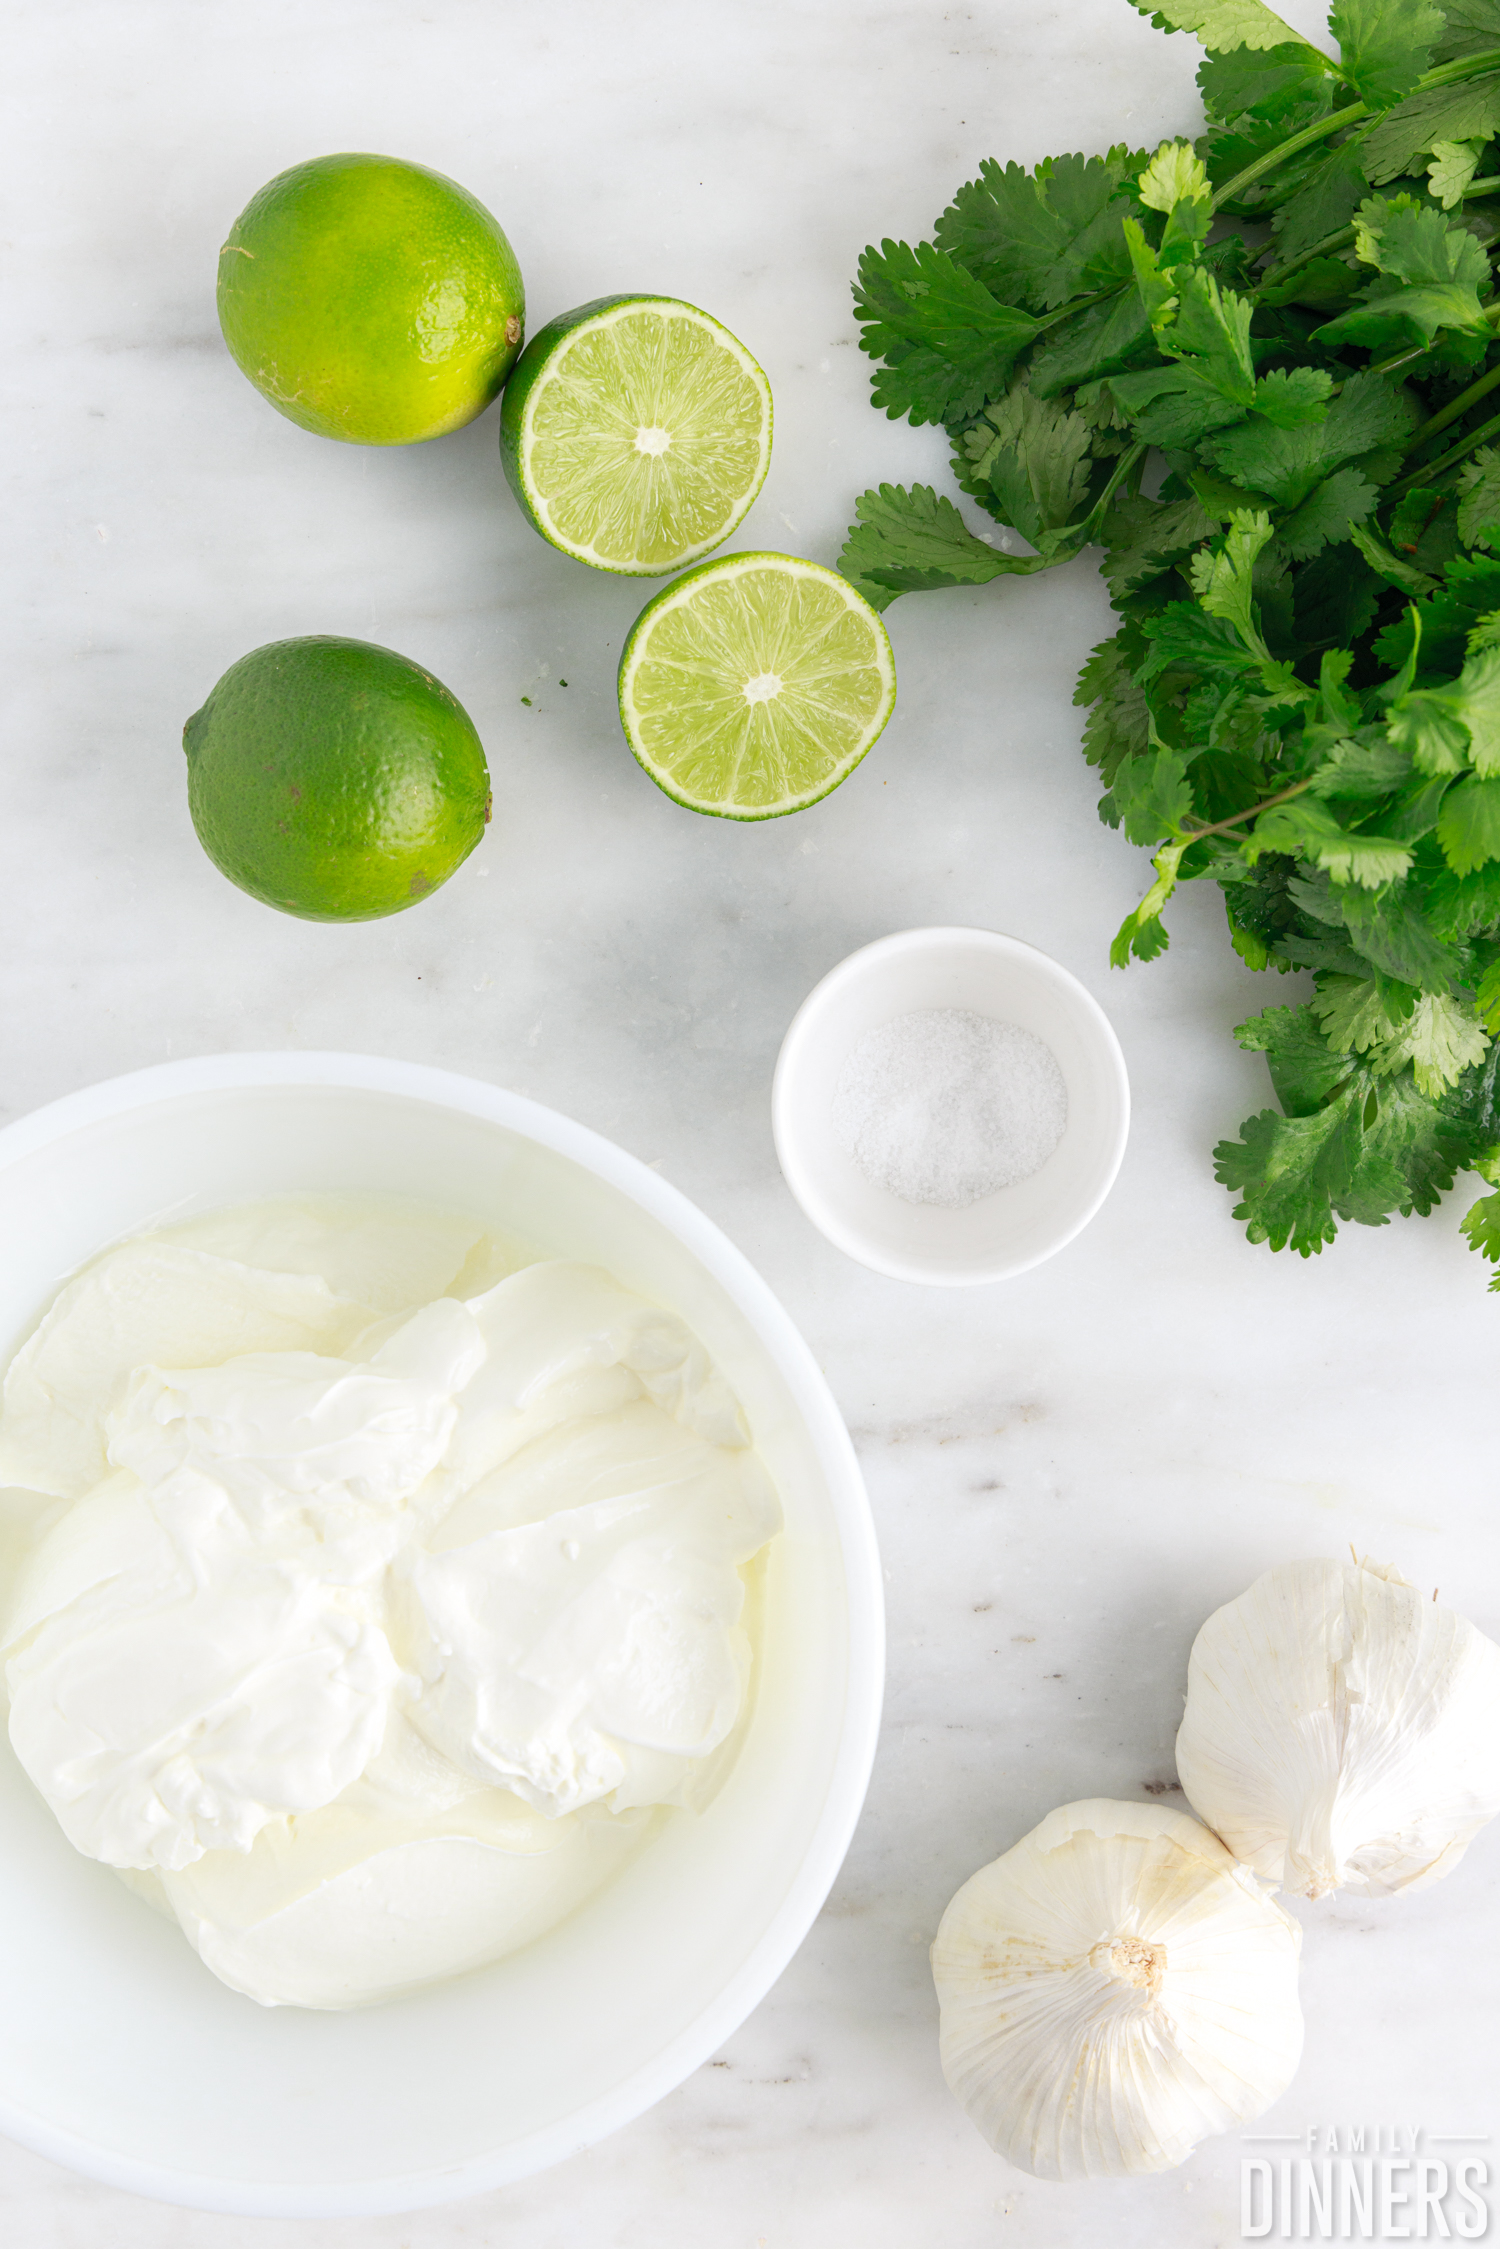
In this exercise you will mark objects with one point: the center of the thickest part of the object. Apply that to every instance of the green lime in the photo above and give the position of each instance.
(753, 685)
(635, 433)
(334, 779)
(371, 300)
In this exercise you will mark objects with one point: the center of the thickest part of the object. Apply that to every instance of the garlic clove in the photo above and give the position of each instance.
(1113, 1990)
(1341, 1732)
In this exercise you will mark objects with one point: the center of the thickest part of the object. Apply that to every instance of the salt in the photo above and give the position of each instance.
(946, 1106)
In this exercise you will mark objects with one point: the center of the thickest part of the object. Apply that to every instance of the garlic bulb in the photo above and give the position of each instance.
(1113, 1990)
(1341, 1732)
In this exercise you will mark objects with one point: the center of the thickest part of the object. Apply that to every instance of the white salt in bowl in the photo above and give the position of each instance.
(1003, 1233)
(120, 2055)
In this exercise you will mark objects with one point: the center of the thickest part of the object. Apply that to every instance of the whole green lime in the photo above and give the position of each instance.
(371, 300)
(334, 779)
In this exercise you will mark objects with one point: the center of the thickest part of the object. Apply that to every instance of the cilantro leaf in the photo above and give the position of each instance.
(1304, 1067)
(1146, 537)
(1408, 1157)
(1153, 795)
(1269, 80)
(1440, 1039)
(1479, 509)
(1462, 906)
(1384, 45)
(1294, 397)
(1306, 829)
(1288, 463)
(947, 344)
(1328, 515)
(1223, 577)
(1222, 25)
(1327, 200)
(1410, 242)
(1428, 277)
(1356, 768)
(1471, 27)
(1355, 1011)
(1182, 634)
(1468, 827)
(1389, 930)
(1442, 728)
(1039, 240)
(1034, 457)
(1335, 597)
(1468, 111)
(1286, 1172)
(1140, 935)
(1481, 1227)
(1118, 723)
(914, 541)
(1098, 340)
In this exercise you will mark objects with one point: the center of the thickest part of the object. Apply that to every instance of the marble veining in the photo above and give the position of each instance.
(1068, 1472)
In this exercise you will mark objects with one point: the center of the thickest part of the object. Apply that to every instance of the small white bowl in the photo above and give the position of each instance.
(1004, 1233)
(119, 2053)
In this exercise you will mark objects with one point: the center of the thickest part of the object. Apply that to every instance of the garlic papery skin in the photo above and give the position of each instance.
(1113, 1990)
(1341, 1732)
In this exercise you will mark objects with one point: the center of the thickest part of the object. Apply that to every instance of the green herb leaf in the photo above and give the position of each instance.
(1471, 27)
(1034, 456)
(1468, 827)
(1270, 81)
(1153, 796)
(1467, 111)
(1037, 240)
(1305, 1068)
(1141, 935)
(947, 344)
(1286, 1171)
(1222, 25)
(1146, 537)
(1118, 725)
(915, 541)
(1384, 45)
(1481, 1228)
(1443, 728)
(1479, 509)
(1307, 830)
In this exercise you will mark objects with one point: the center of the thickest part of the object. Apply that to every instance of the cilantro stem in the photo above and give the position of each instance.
(1335, 241)
(1456, 408)
(1221, 827)
(1320, 130)
(1448, 460)
(1355, 113)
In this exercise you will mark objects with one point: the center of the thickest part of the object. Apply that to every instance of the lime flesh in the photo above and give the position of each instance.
(635, 433)
(754, 685)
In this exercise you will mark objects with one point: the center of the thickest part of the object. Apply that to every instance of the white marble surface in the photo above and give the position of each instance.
(1068, 1472)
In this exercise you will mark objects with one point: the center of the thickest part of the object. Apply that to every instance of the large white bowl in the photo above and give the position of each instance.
(119, 2053)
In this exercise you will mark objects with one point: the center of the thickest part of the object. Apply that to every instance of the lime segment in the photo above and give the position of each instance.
(635, 433)
(752, 686)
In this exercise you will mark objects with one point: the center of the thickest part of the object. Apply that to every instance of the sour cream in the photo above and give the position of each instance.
(385, 1604)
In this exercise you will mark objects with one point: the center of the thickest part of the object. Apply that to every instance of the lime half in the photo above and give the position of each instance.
(752, 686)
(635, 433)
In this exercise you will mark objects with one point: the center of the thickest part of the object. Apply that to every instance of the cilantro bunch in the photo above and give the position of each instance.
(1258, 370)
